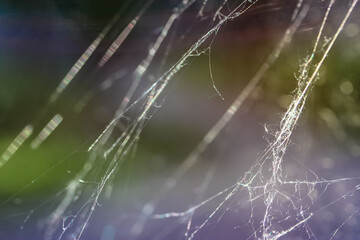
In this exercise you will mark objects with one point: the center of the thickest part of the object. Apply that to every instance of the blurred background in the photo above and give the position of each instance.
(40, 41)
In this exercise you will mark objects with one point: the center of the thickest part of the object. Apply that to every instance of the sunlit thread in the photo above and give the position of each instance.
(122, 36)
(118, 41)
(46, 131)
(81, 61)
(14, 146)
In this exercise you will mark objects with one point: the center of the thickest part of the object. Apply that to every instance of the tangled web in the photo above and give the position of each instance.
(265, 202)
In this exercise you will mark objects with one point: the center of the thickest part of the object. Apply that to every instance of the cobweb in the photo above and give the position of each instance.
(272, 195)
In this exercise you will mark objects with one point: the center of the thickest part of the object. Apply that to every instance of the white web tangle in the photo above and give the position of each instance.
(271, 187)
(265, 181)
